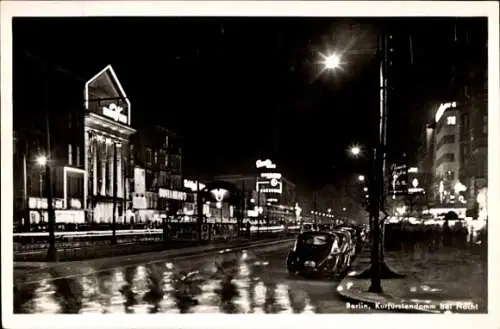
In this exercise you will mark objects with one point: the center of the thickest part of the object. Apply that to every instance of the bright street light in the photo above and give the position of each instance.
(361, 178)
(365, 189)
(332, 62)
(355, 150)
(41, 160)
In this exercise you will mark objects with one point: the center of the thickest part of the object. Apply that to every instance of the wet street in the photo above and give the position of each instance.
(244, 281)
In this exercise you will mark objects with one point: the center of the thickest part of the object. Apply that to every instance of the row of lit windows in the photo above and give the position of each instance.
(447, 139)
(447, 157)
(70, 155)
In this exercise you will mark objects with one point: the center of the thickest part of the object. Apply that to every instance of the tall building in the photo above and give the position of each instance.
(446, 164)
(89, 123)
(470, 40)
(107, 129)
(156, 167)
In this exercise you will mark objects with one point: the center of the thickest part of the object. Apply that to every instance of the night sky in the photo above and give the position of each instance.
(241, 88)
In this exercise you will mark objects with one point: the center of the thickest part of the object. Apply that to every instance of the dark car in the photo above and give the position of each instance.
(318, 253)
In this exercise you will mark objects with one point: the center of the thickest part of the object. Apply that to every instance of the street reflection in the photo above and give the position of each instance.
(231, 283)
(67, 293)
(104, 281)
(130, 296)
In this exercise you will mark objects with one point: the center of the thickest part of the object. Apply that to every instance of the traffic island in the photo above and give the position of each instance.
(443, 281)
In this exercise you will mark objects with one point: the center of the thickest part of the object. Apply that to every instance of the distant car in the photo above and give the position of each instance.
(319, 253)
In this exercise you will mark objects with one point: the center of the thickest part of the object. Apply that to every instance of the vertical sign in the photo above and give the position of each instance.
(398, 183)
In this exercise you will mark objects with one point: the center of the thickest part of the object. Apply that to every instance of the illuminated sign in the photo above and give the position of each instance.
(442, 108)
(193, 185)
(415, 190)
(75, 204)
(272, 200)
(115, 112)
(265, 164)
(219, 194)
(270, 186)
(173, 195)
(41, 203)
(399, 181)
(270, 175)
(92, 99)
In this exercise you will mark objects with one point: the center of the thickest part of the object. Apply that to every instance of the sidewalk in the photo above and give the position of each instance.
(448, 280)
(145, 257)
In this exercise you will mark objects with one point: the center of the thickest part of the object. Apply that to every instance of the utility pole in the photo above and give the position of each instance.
(113, 225)
(52, 251)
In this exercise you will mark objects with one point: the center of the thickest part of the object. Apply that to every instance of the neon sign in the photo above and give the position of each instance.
(270, 175)
(219, 194)
(173, 195)
(442, 108)
(193, 185)
(115, 112)
(265, 164)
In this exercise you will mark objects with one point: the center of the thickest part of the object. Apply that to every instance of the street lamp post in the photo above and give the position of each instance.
(48, 160)
(378, 268)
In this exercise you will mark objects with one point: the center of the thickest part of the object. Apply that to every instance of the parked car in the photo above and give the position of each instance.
(320, 253)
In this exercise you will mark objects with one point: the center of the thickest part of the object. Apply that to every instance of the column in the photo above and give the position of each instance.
(119, 174)
(103, 159)
(110, 152)
(94, 150)
(86, 152)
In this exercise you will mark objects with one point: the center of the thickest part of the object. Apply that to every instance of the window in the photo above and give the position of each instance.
(466, 122)
(77, 156)
(447, 139)
(156, 157)
(451, 120)
(447, 157)
(166, 160)
(166, 141)
(148, 156)
(70, 155)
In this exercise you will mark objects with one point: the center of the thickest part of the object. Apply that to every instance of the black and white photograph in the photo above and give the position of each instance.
(253, 162)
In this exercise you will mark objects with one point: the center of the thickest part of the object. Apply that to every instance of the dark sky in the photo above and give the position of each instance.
(228, 85)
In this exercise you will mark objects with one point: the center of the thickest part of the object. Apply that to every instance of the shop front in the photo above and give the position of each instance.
(65, 218)
(107, 132)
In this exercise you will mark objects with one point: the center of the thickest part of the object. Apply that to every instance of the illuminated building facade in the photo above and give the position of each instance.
(446, 154)
(156, 167)
(268, 191)
(107, 131)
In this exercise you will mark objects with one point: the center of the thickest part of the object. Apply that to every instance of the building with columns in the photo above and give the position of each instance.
(89, 123)
(107, 130)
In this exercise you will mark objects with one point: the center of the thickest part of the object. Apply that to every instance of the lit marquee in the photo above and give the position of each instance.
(219, 194)
(114, 112)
